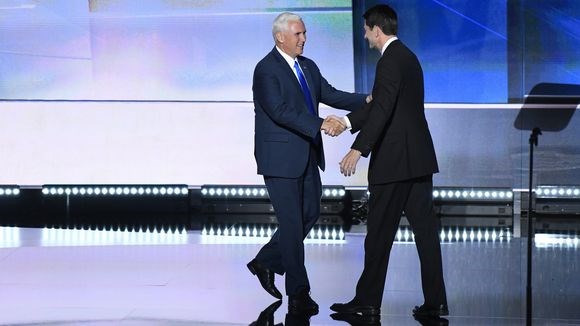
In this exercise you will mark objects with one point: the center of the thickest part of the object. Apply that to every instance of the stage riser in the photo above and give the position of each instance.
(32, 208)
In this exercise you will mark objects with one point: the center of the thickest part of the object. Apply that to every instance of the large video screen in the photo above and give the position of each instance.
(482, 52)
(157, 49)
(462, 47)
(164, 50)
(547, 38)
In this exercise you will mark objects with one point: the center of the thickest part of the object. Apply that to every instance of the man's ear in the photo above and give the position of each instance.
(279, 37)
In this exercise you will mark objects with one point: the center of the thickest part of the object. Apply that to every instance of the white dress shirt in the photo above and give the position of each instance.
(290, 62)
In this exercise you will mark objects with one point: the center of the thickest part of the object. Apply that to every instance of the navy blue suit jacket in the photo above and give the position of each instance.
(284, 128)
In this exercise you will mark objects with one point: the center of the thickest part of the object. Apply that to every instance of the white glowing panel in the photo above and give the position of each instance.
(141, 143)
(157, 49)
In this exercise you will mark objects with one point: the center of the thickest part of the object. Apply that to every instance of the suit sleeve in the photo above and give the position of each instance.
(385, 91)
(357, 118)
(267, 90)
(340, 99)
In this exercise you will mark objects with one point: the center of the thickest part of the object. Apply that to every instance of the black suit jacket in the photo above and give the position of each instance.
(393, 128)
(284, 128)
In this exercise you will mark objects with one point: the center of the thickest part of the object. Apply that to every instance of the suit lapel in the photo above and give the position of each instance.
(289, 73)
(310, 82)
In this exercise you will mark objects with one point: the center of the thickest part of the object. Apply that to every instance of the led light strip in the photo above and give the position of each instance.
(9, 191)
(266, 231)
(258, 192)
(9, 237)
(115, 191)
(558, 192)
(242, 192)
(451, 234)
(56, 237)
(545, 240)
(473, 194)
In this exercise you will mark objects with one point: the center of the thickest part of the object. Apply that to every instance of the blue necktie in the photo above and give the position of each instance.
(305, 90)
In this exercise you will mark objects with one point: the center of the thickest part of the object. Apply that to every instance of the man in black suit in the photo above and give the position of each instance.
(287, 88)
(394, 129)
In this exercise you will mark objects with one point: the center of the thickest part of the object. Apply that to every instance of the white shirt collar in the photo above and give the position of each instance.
(286, 57)
(391, 40)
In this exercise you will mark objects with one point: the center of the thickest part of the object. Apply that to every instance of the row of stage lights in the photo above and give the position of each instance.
(262, 192)
(442, 193)
(241, 192)
(259, 192)
(9, 191)
(266, 231)
(545, 240)
(11, 237)
(115, 191)
(557, 192)
(474, 234)
(404, 234)
(473, 194)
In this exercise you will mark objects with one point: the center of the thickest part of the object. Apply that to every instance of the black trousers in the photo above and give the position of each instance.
(386, 204)
(296, 202)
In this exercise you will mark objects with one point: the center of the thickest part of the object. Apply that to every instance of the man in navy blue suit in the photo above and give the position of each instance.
(287, 89)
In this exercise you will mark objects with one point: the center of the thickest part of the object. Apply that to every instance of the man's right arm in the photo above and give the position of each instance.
(378, 113)
(358, 118)
(268, 94)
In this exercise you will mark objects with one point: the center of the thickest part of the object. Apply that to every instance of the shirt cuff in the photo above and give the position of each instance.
(347, 122)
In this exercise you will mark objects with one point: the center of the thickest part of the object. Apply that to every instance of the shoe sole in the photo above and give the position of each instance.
(297, 310)
(254, 272)
(432, 314)
(355, 319)
(363, 312)
(369, 312)
(251, 268)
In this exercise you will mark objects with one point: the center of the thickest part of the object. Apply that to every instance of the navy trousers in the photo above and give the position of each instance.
(296, 202)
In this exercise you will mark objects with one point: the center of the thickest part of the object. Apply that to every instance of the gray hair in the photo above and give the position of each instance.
(281, 22)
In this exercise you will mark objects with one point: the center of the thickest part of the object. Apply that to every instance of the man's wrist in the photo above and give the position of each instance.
(346, 122)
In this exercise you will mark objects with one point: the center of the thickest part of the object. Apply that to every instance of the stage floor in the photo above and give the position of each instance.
(69, 277)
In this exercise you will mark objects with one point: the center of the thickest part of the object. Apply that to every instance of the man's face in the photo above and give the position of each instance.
(370, 36)
(292, 40)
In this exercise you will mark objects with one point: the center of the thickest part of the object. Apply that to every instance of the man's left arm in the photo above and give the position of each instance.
(339, 99)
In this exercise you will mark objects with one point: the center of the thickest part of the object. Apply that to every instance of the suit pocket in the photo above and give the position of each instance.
(276, 137)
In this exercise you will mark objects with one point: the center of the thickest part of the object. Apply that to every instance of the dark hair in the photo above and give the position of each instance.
(384, 17)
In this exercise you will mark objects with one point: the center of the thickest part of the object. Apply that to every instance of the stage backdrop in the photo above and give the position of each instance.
(157, 49)
(159, 91)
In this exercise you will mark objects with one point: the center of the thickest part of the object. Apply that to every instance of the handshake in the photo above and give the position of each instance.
(333, 125)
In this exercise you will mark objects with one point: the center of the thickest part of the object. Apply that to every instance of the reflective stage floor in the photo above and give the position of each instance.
(68, 277)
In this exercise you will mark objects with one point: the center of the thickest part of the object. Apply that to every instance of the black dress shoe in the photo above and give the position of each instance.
(266, 278)
(298, 319)
(355, 319)
(302, 303)
(354, 308)
(431, 311)
(431, 321)
(266, 317)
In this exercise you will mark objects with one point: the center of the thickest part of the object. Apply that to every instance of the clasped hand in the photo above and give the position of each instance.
(333, 126)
